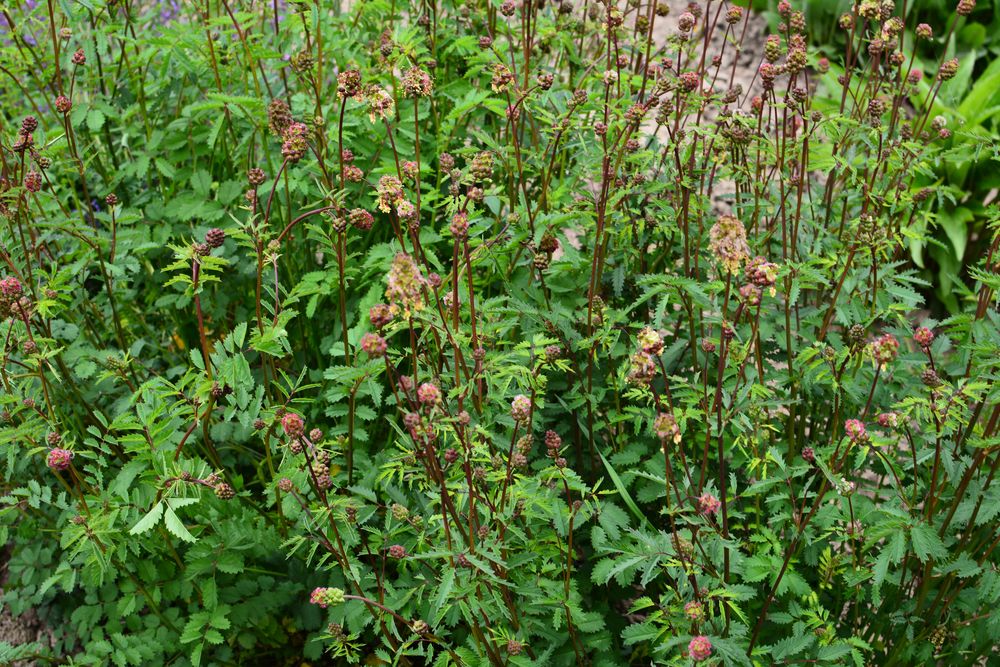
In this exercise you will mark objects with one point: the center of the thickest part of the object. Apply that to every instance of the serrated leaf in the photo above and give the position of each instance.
(95, 120)
(209, 593)
(444, 590)
(175, 503)
(791, 646)
(149, 521)
(926, 543)
(196, 655)
(230, 562)
(176, 526)
(612, 519)
(127, 605)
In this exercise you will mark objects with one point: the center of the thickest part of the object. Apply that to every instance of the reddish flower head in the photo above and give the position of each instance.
(324, 597)
(708, 504)
(650, 341)
(10, 287)
(295, 142)
(32, 181)
(379, 315)
(924, 337)
(885, 349)
(666, 428)
(520, 408)
(888, 420)
(700, 648)
(694, 610)
(59, 459)
(855, 430)
(373, 345)
(361, 219)
(293, 425)
(428, 394)
(459, 227)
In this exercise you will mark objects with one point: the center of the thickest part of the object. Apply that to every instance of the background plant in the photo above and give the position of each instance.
(963, 177)
(455, 333)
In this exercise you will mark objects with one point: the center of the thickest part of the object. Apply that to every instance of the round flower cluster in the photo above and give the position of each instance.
(10, 288)
(459, 226)
(520, 408)
(428, 394)
(353, 173)
(688, 82)
(293, 425)
(761, 273)
(855, 430)
(59, 459)
(325, 597)
(700, 648)
(390, 193)
(373, 345)
(380, 103)
(694, 610)
(923, 337)
(294, 142)
(215, 237)
(407, 212)
(708, 504)
(224, 491)
(360, 219)
(948, 70)
(666, 428)
(768, 73)
(552, 443)
(772, 48)
(481, 166)
(417, 83)
(12, 301)
(502, 77)
(279, 117)
(888, 419)
(379, 315)
(885, 349)
(642, 369)
(348, 83)
(650, 341)
(32, 181)
(410, 169)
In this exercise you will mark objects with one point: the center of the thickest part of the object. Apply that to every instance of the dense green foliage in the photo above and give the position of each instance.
(967, 174)
(482, 334)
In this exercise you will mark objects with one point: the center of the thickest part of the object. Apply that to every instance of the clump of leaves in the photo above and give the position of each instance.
(486, 334)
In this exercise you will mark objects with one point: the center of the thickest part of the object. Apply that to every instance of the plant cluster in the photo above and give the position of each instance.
(966, 179)
(488, 333)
